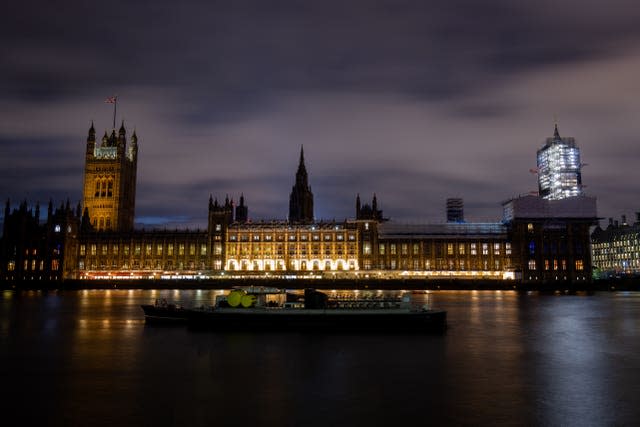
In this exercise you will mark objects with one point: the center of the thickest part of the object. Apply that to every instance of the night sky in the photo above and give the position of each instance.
(414, 100)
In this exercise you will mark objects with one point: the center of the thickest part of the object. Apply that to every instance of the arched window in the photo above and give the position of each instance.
(97, 194)
(108, 223)
(103, 189)
(110, 188)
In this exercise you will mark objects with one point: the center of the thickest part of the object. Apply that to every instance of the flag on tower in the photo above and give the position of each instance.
(111, 100)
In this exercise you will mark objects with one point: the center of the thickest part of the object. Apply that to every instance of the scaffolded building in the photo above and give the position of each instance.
(559, 168)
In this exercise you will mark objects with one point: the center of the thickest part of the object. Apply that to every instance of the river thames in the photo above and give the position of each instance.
(76, 358)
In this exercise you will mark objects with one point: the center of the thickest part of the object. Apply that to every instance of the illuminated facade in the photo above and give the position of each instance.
(110, 180)
(616, 249)
(559, 168)
(538, 240)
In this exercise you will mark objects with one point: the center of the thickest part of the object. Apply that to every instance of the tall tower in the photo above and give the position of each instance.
(301, 198)
(559, 168)
(109, 193)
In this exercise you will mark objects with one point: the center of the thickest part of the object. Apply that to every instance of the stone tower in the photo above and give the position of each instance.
(301, 198)
(109, 193)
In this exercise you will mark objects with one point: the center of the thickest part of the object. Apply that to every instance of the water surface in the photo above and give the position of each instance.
(87, 358)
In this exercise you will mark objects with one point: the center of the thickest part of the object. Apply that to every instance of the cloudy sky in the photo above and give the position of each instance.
(415, 100)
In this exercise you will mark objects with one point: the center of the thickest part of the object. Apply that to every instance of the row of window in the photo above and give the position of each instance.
(451, 249)
(158, 249)
(441, 264)
(579, 264)
(33, 265)
(104, 187)
(146, 265)
(292, 237)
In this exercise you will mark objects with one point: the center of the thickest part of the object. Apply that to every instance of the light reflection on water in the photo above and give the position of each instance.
(87, 357)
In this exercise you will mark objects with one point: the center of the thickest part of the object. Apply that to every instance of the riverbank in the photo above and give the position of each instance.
(326, 284)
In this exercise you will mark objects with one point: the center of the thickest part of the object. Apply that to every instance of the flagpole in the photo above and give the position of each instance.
(115, 105)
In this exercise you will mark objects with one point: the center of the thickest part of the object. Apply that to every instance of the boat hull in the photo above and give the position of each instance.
(334, 320)
(164, 314)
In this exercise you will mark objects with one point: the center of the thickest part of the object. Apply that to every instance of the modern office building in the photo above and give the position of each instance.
(559, 168)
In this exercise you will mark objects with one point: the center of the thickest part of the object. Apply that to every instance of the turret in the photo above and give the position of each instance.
(91, 140)
(242, 212)
(358, 205)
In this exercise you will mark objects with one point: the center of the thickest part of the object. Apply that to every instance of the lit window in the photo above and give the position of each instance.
(83, 250)
(147, 250)
(203, 249)
(474, 250)
(366, 248)
(461, 248)
(392, 248)
(496, 248)
(532, 264)
(381, 249)
(57, 228)
(449, 248)
(404, 248)
(170, 249)
(530, 227)
(579, 265)
(485, 249)
(507, 248)
(159, 249)
(192, 249)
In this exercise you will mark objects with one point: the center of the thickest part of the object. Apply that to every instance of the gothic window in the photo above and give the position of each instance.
(97, 193)
(103, 189)
(110, 189)
(108, 223)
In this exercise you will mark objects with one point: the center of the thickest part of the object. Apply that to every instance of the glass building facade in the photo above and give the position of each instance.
(559, 168)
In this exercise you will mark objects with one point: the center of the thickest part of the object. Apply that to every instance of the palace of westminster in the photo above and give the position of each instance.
(540, 239)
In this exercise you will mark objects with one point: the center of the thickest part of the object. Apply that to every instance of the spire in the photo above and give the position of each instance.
(92, 131)
(374, 204)
(301, 156)
(358, 205)
(241, 199)
(556, 134)
(134, 137)
(122, 130)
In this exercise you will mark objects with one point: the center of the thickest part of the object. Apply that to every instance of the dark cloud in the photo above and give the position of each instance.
(414, 100)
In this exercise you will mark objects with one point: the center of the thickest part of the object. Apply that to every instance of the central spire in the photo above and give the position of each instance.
(301, 198)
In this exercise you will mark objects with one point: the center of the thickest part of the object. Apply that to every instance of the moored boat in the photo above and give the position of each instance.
(260, 309)
(164, 312)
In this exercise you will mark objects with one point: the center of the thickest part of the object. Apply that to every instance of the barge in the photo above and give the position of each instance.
(259, 309)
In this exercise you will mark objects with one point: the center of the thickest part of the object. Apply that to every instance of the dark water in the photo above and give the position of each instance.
(86, 358)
